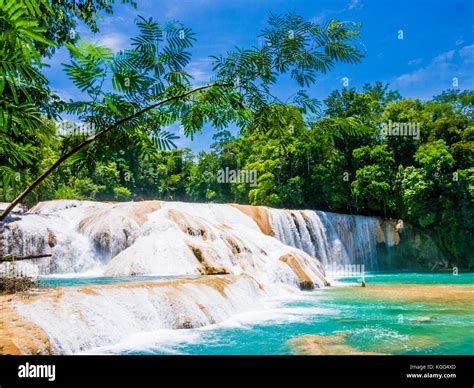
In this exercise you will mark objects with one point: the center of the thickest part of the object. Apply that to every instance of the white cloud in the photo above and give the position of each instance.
(200, 70)
(355, 4)
(65, 95)
(444, 57)
(321, 17)
(114, 40)
(112, 20)
(415, 61)
(467, 53)
(327, 14)
(438, 74)
(437, 67)
(172, 11)
(459, 41)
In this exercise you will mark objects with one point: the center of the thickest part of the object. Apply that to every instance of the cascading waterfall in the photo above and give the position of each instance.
(359, 236)
(164, 238)
(251, 252)
(85, 318)
(335, 239)
(154, 238)
(52, 228)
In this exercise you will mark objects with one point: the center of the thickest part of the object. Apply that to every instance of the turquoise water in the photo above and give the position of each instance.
(51, 281)
(376, 318)
(396, 313)
(413, 278)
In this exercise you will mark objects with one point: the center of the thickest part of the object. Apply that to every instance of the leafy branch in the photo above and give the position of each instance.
(153, 74)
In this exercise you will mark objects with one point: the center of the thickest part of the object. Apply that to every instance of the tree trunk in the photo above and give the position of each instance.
(12, 258)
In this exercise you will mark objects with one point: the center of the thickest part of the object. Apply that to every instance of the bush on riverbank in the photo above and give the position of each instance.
(11, 285)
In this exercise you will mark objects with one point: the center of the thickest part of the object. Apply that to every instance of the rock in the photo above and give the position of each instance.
(206, 267)
(18, 336)
(325, 345)
(421, 319)
(52, 241)
(259, 214)
(304, 280)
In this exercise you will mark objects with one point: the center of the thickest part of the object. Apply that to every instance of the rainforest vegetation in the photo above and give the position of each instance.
(329, 155)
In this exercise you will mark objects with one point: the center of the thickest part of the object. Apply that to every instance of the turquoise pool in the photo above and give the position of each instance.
(396, 313)
(380, 318)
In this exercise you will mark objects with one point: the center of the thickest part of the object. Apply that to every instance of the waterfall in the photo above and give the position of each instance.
(84, 318)
(335, 239)
(237, 254)
(175, 238)
(51, 228)
(154, 238)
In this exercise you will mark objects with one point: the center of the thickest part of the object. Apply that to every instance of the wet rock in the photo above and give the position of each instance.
(325, 345)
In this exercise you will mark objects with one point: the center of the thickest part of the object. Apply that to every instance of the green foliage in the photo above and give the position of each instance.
(375, 171)
(122, 194)
(289, 45)
(434, 157)
(29, 30)
(152, 90)
(25, 129)
(61, 22)
(304, 157)
(65, 191)
(155, 69)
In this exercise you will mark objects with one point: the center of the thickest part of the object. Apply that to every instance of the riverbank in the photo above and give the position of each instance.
(19, 336)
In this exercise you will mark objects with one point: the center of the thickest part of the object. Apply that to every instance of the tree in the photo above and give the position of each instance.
(152, 88)
(61, 22)
(28, 108)
(437, 196)
(409, 112)
(372, 188)
(25, 130)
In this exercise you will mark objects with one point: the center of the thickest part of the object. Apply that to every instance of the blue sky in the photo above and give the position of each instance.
(437, 44)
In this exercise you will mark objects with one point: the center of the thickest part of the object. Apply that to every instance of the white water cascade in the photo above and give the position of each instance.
(334, 238)
(153, 238)
(236, 256)
(86, 318)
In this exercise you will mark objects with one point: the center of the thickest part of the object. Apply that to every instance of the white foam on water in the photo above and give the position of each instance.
(159, 341)
(273, 316)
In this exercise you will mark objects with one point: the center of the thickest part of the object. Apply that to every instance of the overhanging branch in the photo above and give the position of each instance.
(94, 137)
